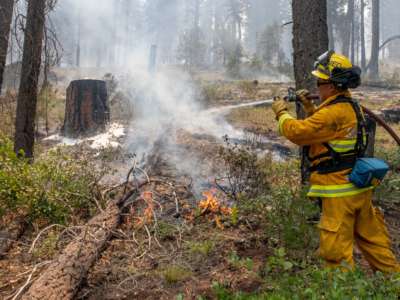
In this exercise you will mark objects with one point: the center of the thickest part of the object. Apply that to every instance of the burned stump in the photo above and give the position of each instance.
(86, 109)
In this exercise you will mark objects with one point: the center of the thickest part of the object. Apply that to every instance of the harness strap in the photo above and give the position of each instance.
(343, 160)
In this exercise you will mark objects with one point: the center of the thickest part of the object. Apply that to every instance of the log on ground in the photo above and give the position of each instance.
(63, 276)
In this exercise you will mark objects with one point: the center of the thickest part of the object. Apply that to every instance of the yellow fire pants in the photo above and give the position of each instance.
(348, 219)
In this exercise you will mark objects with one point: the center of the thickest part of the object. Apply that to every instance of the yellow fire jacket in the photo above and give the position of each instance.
(334, 124)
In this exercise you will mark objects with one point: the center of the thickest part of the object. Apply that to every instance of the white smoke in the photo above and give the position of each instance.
(166, 103)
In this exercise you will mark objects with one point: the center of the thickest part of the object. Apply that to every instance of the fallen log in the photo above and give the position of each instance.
(62, 277)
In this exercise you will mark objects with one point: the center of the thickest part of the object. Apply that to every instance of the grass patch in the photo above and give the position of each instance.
(174, 274)
(204, 248)
(314, 283)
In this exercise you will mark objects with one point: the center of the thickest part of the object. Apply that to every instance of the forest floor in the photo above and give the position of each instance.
(181, 241)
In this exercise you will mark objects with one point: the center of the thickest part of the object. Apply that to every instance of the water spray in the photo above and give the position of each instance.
(292, 97)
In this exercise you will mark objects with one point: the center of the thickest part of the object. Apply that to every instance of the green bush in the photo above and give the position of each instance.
(388, 193)
(314, 283)
(246, 174)
(288, 220)
(53, 189)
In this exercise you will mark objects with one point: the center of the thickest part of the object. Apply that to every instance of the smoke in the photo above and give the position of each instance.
(167, 106)
(113, 37)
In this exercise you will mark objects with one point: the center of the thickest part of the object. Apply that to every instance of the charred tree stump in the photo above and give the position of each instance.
(86, 109)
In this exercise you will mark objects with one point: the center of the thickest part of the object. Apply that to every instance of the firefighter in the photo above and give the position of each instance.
(333, 136)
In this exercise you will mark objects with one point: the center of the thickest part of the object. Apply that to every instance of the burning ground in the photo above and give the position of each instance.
(200, 216)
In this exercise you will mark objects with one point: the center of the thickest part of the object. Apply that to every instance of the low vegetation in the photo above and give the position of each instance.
(54, 188)
(264, 248)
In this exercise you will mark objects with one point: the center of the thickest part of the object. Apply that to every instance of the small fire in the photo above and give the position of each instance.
(211, 204)
(148, 214)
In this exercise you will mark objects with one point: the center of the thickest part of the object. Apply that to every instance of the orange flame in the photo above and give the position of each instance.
(148, 214)
(212, 204)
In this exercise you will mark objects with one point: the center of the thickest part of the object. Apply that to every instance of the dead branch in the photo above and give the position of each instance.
(28, 280)
(40, 233)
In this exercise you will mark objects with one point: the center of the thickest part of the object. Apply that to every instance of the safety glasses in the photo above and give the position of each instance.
(320, 83)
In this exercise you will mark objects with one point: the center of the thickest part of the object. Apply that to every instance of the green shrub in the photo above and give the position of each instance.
(53, 189)
(238, 262)
(314, 283)
(288, 219)
(388, 193)
(246, 174)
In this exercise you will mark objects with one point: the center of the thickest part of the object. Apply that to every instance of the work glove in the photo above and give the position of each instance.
(308, 105)
(279, 107)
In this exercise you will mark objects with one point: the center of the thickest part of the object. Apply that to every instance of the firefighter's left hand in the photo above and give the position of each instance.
(279, 107)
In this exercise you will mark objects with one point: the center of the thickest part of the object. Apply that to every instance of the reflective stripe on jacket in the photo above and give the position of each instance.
(333, 124)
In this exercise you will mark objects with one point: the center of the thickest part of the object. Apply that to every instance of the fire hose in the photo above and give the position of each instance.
(292, 97)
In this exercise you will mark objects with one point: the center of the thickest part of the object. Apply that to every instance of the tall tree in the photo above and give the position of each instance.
(310, 39)
(31, 61)
(374, 62)
(349, 27)
(6, 11)
(362, 36)
(330, 20)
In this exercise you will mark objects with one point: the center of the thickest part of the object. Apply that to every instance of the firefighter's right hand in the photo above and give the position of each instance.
(279, 107)
(303, 96)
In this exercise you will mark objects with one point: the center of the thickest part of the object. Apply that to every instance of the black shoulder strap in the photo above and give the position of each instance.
(362, 143)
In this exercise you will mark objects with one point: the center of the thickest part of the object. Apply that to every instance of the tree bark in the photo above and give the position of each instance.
(86, 108)
(352, 34)
(62, 277)
(374, 62)
(6, 11)
(349, 28)
(362, 36)
(330, 21)
(310, 39)
(31, 61)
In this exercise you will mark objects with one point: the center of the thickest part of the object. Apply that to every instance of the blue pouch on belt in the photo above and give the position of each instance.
(368, 172)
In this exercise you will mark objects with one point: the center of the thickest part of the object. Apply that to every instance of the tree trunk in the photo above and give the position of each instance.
(347, 34)
(330, 20)
(362, 36)
(6, 11)
(374, 62)
(352, 34)
(310, 39)
(31, 61)
(86, 108)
